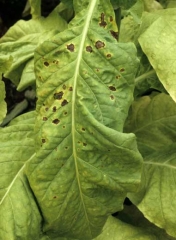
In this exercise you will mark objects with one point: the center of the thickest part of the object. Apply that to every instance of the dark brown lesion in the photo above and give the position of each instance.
(102, 21)
(56, 121)
(89, 49)
(64, 102)
(71, 47)
(46, 64)
(99, 44)
(58, 95)
(114, 34)
(112, 88)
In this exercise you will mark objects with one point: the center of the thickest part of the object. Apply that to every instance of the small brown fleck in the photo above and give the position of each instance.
(56, 121)
(63, 126)
(70, 89)
(97, 70)
(108, 55)
(111, 19)
(46, 109)
(117, 77)
(112, 97)
(99, 44)
(84, 144)
(122, 70)
(114, 34)
(83, 129)
(54, 197)
(64, 87)
(89, 49)
(71, 47)
(54, 109)
(66, 148)
(103, 22)
(46, 64)
(43, 140)
(65, 113)
(64, 102)
(58, 95)
(55, 61)
(45, 118)
(112, 88)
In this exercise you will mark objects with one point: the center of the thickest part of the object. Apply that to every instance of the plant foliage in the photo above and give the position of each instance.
(103, 128)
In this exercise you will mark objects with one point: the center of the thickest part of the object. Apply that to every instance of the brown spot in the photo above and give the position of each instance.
(70, 89)
(122, 70)
(54, 109)
(45, 118)
(84, 144)
(43, 140)
(71, 47)
(64, 87)
(66, 148)
(83, 129)
(55, 61)
(102, 23)
(56, 121)
(64, 102)
(63, 126)
(108, 55)
(99, 44)
(112, 97)
(114, 34)
(46, 109)
(112, 88)
(117, 77)
(111, 19)
(46, 64)
(97, 70)
(54, 197)
(58, 95)
(65, 113)
(89, 49)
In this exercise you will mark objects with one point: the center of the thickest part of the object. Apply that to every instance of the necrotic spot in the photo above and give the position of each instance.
(111, 18)
(112, 97)
(114, 34)
(43, 140)
(45, 118)
(70, 89)
(58, 95)
(71, 47)
(102, 23)
(108, 55)
(99, 44)
(83, 129)
(64, 102)
(89, 49)
(112, 88)
(122, 70)
(46, 64)
(54, 109)
(56, 121)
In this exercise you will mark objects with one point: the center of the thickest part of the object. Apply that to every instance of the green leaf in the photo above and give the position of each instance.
(125, 4)
(152, 119)
(84, 164)
(23, 38)
(20, 217)
(35, 8)
(156, 198)
(152, 5)
(158, 43)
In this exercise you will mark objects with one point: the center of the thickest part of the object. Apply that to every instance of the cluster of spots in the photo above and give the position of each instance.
(56, 121)
(102, 20)
(71, 47)
(112, 88)
(89, 49)
(114, 34)
(99, 44)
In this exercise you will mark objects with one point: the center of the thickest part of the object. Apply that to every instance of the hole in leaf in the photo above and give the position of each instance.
(58, 95)
(71, 47)
(112, 88)
(102, 23)
(99, 44)
(64, 102)
(56, 121)
(89, 49)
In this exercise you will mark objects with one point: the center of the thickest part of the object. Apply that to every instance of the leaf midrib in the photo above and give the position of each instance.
(90, 11)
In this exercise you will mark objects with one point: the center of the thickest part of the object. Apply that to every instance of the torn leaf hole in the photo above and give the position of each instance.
(64, 102)
(71, 47)
(102, 21)
(56, 121)
(89, 49)
(112, 88)
(99, 44)
(58, 95)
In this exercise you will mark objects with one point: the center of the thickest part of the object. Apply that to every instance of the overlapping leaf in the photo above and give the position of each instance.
(20, 217)
(84, 163)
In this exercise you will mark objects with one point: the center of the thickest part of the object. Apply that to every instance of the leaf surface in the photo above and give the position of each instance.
(20, 217)
(81, 171)
(158, 43)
